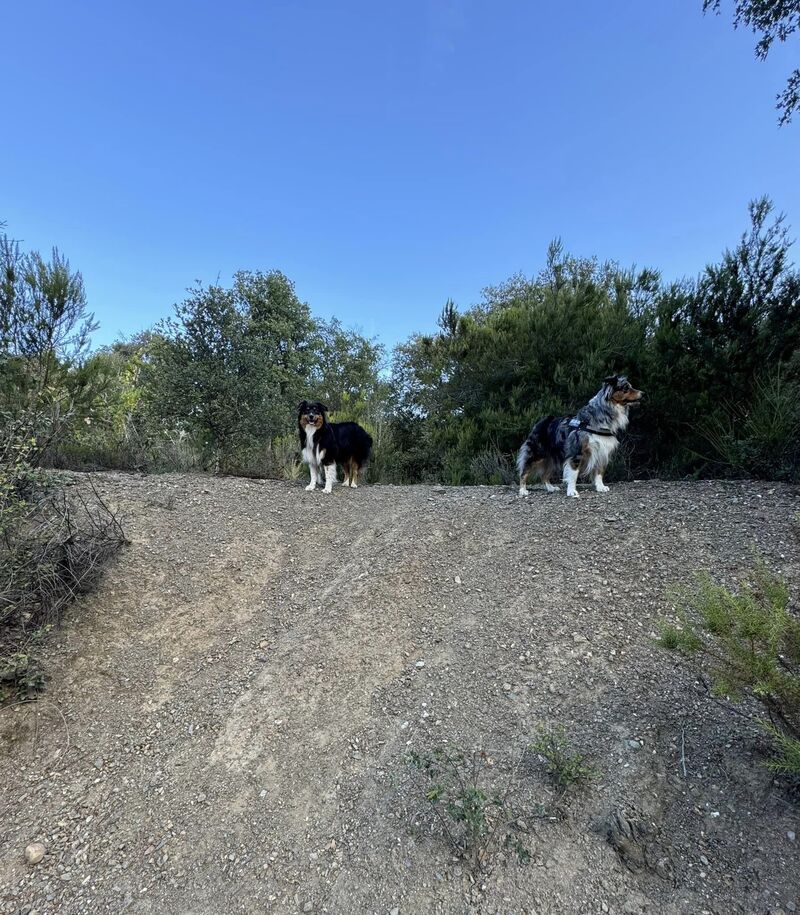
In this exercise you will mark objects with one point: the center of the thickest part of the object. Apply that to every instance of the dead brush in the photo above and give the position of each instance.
(54, 551)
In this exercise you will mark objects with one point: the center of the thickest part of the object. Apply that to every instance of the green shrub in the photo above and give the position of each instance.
(474, 815)
(750, 639)
(565, 766)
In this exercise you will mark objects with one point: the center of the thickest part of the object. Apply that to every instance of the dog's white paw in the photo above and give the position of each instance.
(523, 491)
(602, 488)
(328, 490)
(354, 485)
(345, 482)
(550, 488)
(574, 495)
(311, 487)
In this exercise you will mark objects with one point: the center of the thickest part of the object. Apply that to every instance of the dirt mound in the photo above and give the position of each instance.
(228, 719)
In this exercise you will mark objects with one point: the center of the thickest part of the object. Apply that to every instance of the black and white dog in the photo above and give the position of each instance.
(581, 445)
(325, 444)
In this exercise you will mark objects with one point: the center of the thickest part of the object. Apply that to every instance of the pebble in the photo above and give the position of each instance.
(395, 911)
(35, 852)
(791, 835)
(420, 664)
(308, 906)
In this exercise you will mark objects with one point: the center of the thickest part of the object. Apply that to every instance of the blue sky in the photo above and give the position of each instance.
(384, 156)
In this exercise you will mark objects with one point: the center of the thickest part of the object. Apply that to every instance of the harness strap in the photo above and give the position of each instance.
(578, 425)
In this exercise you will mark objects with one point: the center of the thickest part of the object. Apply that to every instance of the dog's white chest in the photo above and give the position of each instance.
(309, 455)
(605, 444)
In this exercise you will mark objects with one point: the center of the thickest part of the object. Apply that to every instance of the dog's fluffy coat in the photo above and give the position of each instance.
(325, 444)
(580, 445)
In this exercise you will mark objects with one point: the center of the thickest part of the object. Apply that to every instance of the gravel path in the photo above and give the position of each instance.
(228, 718)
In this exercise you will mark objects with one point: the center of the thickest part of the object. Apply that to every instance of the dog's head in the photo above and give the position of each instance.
(620, 391)
(311, 413)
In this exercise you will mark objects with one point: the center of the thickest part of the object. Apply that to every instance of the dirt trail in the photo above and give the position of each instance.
(228, 717)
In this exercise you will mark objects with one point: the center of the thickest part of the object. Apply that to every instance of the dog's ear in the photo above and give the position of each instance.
(303, 407)
(611, 380)
(322, 407)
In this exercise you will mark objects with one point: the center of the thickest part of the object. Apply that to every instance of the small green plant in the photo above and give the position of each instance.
(20, 675)
(751, 641)
(473, 815)
(565, 766)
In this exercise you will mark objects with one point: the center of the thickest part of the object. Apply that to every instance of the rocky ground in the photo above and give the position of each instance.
(228, 718)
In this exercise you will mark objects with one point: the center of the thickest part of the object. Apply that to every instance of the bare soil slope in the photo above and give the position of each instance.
(228, 718)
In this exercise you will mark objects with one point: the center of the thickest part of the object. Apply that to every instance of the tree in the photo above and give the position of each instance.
(230, 366)
(45, 331)
(772, 20)
(724, 360)
(346, 372)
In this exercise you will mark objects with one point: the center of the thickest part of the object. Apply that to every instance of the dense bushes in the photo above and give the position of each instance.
(718, 357)
(215, 386)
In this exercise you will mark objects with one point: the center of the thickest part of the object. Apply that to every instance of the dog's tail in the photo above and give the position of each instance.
(524, 457)
(533, 448)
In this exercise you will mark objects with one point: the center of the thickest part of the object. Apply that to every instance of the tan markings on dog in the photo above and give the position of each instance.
(536, 468)
(546, 473)
(631, 396)
(586, 453)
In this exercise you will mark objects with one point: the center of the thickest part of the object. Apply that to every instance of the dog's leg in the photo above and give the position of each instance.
(571, 478)
(354, 474)
(599, 485)
(523, 483)
(347, 473)
(546, 477)
(314, 478)
(330, 477)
